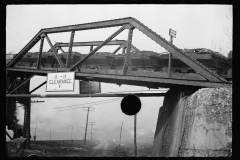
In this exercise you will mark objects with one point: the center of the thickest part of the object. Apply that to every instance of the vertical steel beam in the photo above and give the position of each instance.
(97, 48)
(56, 55)
(40, 52)
(70, 48)
(91, 48)
(123, 50)
(127, 56)
(116, 50)
(170, 61)
(27, 118)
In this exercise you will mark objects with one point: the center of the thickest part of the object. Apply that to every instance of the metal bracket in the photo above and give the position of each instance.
(128, 26)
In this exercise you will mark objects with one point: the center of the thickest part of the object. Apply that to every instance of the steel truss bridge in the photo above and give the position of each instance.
(18, 77)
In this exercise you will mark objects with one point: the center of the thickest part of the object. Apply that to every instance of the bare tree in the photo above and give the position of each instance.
(227, 31)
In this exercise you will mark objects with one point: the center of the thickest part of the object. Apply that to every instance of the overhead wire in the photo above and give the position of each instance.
(90, 105)
(86, 103)
(149, 110)
(18, 33)
(14, 41)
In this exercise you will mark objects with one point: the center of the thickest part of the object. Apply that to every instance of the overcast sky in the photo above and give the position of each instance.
(197, 26)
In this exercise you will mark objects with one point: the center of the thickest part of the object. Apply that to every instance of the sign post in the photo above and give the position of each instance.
(62, 81)
(172, 34)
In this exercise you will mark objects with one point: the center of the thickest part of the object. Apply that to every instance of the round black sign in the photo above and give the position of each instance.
(131, 105)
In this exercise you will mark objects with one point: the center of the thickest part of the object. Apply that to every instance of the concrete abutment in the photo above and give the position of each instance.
(194, 123)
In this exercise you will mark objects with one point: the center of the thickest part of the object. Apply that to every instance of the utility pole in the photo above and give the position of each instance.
(35, 132)
(71, 134)
(91, 123)
(86, 124)
(120, 135)
(135, 135)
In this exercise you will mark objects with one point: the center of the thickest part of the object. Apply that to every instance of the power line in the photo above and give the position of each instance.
(17, 33)
(86, 103)
(149, 107)
(148, 110)
(91, 105)
(14, 41)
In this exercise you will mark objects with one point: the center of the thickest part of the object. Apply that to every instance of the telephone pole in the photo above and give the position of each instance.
(91, 123)
(120, 136)
(88, 109)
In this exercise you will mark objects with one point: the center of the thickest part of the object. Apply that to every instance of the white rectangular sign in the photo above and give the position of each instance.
(172, 33)
(62, 81)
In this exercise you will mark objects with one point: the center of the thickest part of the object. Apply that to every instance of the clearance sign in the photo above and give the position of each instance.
(63, 81)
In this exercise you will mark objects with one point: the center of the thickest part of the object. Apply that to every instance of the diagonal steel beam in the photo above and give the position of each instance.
(194, 64)
(22, 83)
(53, 49)
(9, 135)
(30, 44)
(40, 52)
(127, 56)
(97, 48)
(38, 87)
(70, 48)
(61, 49)
(116, 50)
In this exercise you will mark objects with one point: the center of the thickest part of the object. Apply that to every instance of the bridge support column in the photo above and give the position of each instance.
(197, 125)
(170, 124)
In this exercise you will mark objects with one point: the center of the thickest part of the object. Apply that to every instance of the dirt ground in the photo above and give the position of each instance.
(103, 148)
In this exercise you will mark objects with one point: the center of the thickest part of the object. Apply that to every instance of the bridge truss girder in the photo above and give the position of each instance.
(121, 43)
(126, 23)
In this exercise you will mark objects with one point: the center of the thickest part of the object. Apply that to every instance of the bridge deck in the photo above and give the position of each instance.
(138, 78)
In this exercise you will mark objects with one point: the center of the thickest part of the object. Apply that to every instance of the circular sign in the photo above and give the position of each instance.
(131, 105)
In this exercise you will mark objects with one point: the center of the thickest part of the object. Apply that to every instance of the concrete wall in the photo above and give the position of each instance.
(197, 125)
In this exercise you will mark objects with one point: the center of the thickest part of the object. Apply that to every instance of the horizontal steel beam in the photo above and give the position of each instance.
(85, 95)
(113, 77)
(94, 43)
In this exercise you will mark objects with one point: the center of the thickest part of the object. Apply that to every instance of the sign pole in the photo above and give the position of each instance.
(172, 34)
(135, 135)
